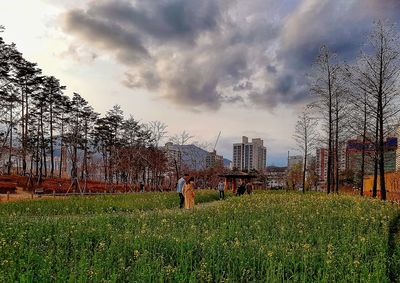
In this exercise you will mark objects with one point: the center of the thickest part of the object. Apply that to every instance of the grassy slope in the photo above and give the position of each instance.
(263, 237)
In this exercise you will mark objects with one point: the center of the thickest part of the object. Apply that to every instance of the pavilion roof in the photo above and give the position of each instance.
(237, 174)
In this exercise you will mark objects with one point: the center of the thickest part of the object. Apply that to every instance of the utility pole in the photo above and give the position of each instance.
(287, 170)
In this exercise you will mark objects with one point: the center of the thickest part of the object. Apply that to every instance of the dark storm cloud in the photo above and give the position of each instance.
(194, 92)
(337, 24)
(233, 99)
(271, 69)
(106, 34)
(342, 25)
(161, 19)
(243, 86)
(206, 53)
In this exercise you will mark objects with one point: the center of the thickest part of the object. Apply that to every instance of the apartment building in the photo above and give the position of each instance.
(250, 155)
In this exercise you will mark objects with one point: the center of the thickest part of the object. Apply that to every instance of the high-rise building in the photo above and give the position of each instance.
(214, 160)
(250, 155)
(354, 155)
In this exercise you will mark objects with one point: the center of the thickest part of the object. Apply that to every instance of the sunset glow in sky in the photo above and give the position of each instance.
(203, 66)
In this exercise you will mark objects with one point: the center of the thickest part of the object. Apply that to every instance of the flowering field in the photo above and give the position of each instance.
(123, 203)
(263, 237)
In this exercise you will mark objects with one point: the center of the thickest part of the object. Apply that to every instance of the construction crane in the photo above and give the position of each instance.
(217, 140)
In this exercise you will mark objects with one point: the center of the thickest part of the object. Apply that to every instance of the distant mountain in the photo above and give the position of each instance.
(193, 156)
(276, 168)
(227, 162)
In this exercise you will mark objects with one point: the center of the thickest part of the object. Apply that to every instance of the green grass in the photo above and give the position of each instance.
(269, 237)
(99, 204)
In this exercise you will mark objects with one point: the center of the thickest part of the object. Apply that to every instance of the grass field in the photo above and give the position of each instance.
(268, 237)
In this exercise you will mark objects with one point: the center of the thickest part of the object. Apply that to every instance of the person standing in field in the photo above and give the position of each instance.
(179, 189)
(249, 188)
(241, 189)
(221, 189)
(188, 193)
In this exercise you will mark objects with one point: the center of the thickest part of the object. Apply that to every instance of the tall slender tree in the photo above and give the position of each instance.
(306, 136)
(53, 90)
(324, 85)
(88, 119)
(73, 137)
(62, 108)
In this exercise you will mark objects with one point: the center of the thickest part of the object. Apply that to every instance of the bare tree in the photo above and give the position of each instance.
(179, 139)
(306, 137)
(377, 74)
(362, 122)
(325, 85)
(157, 130)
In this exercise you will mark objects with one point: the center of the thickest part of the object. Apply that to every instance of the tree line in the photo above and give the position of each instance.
(44, 132)
(361, 99)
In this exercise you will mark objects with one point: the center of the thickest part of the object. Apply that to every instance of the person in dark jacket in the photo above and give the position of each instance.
(249, 188)
(241, 189)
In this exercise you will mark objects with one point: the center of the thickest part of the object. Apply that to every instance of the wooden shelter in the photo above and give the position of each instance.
(231, 178)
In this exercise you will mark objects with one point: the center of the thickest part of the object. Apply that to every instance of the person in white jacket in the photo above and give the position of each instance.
(179, 189)
(221, 189)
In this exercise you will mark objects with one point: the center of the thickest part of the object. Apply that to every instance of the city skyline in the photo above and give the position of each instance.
(200, 66)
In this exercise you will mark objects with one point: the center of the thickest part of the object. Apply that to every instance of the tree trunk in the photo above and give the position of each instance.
(23, 134)
(363, 146)
(382, 162)
(374, 188)
(61, 147)
(329, 169)
(381, 136)
(44, 162)
(337, 160)
(305, 167)
(11, 140)
(110, 171)
(26, 123)
(85, 169)
(38, 156)
(51, 137)
(74, 172)
(177, 170)
(105, 162)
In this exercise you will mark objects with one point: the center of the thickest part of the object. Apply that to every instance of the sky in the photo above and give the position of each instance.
(203, 66)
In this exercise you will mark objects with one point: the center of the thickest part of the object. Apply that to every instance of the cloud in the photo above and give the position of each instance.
(233, 99)
(161, 20)
(106, 35)
(145, 79)
(242, 86)
(201, 54)
(342, 25)
(79, 54)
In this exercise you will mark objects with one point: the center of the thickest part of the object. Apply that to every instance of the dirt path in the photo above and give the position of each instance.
(20, 194)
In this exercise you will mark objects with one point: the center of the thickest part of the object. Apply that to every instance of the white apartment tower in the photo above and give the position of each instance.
(248, 156)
